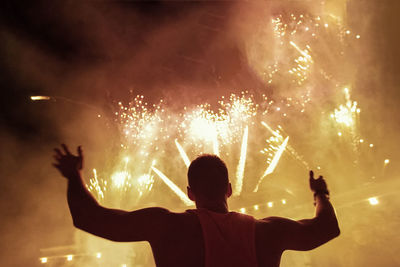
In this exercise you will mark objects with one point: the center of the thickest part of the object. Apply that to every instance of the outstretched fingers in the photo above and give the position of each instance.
(66, 149)
(58, 152)
(57, 158)
(57, 166)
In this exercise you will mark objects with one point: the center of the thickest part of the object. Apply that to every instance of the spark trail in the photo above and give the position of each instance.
(273, 163)
(182, 153)
(241, 164)
(173, 187)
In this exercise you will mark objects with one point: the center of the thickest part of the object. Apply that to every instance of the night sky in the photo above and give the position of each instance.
(95, 52)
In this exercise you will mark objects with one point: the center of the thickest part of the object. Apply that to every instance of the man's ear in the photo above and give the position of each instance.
(190, 194)
(229, 192)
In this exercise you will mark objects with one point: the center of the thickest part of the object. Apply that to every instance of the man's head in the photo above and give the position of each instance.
(208, 179)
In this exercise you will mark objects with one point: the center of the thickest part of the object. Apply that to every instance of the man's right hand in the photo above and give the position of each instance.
(317, 185)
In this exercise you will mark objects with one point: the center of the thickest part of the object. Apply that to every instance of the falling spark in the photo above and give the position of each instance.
(173, 187)
(182, 153)
(241, 165)
(270, 129)
(302, 52)
(202, 125)
(289, 149)
(144, 183)
(215, 144)
(94, 185)
(274, 162)
(120, 179)
(345, 114)
(373, 201)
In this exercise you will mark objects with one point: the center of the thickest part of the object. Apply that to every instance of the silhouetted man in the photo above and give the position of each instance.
(210, 235)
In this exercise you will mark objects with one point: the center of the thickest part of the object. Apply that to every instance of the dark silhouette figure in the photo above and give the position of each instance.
(210, 235)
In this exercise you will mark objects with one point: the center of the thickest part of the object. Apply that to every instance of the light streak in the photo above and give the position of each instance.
(241, 164)
(43, 260)
(273, 163)
(40, 97)
(173, 187)
(182, 153)
(70, 257)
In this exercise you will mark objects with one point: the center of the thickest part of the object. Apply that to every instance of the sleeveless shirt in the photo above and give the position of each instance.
(229, 238)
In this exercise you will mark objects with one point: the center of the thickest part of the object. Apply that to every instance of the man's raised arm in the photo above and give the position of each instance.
(88, 215)
(309, 233)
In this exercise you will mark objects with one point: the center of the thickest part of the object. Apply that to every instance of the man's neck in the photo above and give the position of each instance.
(219, 207)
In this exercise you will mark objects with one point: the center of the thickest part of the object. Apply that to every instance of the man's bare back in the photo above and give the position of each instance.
(177, 239)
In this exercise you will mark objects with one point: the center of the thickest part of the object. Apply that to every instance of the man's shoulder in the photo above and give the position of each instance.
(268, 234)
(157, 214)
(270, 225)
(272, 220)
